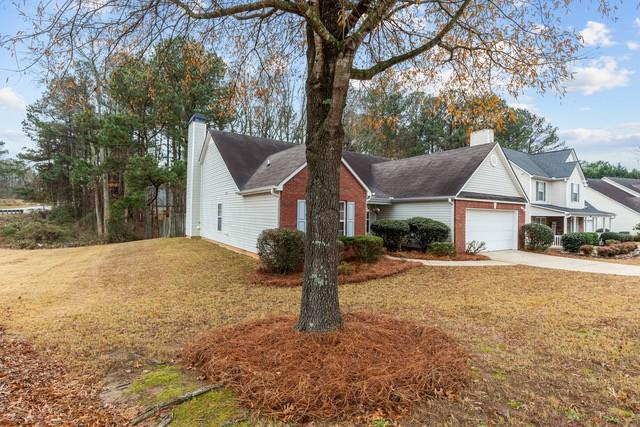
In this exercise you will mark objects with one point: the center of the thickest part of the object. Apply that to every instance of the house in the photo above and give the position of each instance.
(238, 186)
(556, 187)
(618, 195)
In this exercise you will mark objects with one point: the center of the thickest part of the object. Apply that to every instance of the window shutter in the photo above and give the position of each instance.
(351, 212)
(302, 216)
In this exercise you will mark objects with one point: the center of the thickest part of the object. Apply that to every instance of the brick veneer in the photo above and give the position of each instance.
(461, 207)
(350, 191)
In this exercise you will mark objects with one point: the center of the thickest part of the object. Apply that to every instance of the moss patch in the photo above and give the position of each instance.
(167, 382)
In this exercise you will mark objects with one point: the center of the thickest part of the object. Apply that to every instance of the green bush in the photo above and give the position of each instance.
(571, 242)
(426, 231)
(367, 248)
(61, 215)
(345, 268)
(281, 250)
(41, 232)
(10, 230)
(394, 232)
(621, 237)
(537, 237)
(442, 249)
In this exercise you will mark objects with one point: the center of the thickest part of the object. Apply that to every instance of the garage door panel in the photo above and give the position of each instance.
(494, 227)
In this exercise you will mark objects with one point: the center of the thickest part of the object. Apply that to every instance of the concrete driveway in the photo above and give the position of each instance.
(561, 263)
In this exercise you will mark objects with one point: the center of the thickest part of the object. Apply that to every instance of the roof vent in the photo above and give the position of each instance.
(479, 137)
(268, 162)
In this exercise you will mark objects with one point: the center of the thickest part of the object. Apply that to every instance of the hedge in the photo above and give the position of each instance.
(621, 237)
(426, 231)
(537, 237)
(442, 249)
(394, 232)
(367, 248)
(281, 250)
(571, 242)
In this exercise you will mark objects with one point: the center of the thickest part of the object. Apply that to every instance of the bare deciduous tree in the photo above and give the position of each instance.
(473, 43)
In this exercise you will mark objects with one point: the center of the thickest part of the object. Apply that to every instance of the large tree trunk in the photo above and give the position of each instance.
(326, 90)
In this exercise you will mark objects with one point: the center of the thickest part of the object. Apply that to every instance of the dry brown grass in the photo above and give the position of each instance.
(361, 272)
(353, 373)
(547, 347)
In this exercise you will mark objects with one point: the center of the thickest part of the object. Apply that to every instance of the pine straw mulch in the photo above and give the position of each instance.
(39, 392)
(362, 272)
(431, 257)
(375, 364)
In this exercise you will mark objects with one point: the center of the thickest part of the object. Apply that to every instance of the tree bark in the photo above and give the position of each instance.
(326, 89)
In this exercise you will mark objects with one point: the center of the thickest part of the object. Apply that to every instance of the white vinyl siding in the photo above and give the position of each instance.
(576, 180)
(625, 218)
(243, 218)
(437, 210)
(493, 177)
(301, 219)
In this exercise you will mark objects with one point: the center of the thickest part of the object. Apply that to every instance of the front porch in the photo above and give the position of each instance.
(590, 220)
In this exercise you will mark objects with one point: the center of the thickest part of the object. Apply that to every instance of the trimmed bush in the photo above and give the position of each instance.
(611, 242)
(426, 231)
(442, 249)
(621, 237)
(281, 250)
(367, 248)
(537, 237)
(605, 251)
(586, 250)
(571, 242)
(41, 232)
(394, 232)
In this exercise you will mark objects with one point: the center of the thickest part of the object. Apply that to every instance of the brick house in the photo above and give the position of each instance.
(239, 185)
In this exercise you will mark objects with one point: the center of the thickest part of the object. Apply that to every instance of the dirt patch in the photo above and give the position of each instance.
(431, 257)
(359, 371)
(361, 272)
(38, 392)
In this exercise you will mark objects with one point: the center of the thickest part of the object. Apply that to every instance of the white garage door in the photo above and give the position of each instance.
(498, 229)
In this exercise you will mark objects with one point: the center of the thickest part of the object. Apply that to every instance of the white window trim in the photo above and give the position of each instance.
(544, 191)
(342, 207)
(577, 192)
(219, 217)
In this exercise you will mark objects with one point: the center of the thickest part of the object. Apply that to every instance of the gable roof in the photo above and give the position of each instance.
(552, 164)
(615, 193)
(244, 154)
(629, 183)
(440, 174)
(277, 167)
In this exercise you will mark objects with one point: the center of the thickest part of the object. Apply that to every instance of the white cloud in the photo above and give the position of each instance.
(600, 74)
(633, 45)
(10, 100)
(596, 34)
(617, 144)
(636, 23)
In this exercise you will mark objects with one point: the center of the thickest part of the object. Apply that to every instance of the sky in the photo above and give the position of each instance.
(599, 116)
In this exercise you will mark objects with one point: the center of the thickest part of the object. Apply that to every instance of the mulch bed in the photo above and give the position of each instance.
(362, 272)
(35, 391)
(374, 365)
(431, 257)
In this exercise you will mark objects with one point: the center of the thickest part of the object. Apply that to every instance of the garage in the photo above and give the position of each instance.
(497, 228)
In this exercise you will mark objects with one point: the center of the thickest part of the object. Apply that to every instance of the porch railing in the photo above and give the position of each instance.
(557, 240)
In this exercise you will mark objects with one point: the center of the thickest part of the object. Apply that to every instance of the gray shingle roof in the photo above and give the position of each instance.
(630, 183)
(431, 175)
(275, 168)
(589, 209)
(552, 164)
(615, 193)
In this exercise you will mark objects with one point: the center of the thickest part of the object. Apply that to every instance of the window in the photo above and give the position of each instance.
(367, 221)
(575, 192)
(302, 216)
(342, 226)
(541, 191)
(219, 216)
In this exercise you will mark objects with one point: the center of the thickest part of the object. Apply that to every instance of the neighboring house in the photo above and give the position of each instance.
(556, 187)
(618, 195)
(238, 186)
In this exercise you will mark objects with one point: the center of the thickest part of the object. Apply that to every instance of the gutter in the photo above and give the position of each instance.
(258, 190)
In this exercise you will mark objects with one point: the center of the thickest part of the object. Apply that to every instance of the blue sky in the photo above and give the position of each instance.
(599, 116)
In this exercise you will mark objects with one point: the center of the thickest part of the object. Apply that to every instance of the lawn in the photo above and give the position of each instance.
(547, 347)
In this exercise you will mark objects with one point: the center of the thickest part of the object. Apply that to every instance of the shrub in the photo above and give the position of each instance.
(621, 237)
(281, 250)
(345, 268)
(394, 232)
(586, 250)
(443, 249)
(61, 215)
(367, 248)
(426, 231)
(572, 241)
(537, 237)
(474, 247)
(10, 230)
(602, 230)
(611, 242)
(605, 251)
(41, 232)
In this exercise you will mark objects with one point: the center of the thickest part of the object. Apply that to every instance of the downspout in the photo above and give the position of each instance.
(275, 194)
(453, 220)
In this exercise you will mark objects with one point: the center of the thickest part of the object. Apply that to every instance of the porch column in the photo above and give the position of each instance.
(564, 227)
